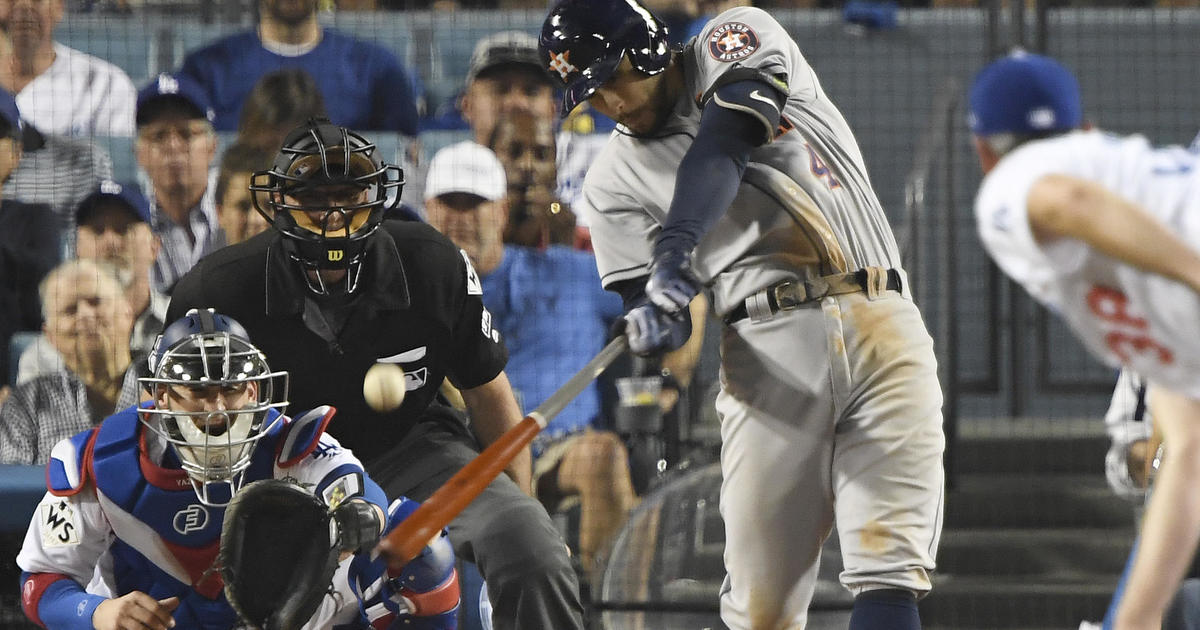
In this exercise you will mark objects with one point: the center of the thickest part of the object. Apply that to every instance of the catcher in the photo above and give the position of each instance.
(146, 523)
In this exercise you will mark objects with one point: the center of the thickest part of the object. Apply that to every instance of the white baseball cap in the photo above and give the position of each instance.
(466, 167)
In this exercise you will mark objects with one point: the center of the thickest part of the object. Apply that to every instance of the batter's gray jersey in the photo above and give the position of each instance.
(805, 205)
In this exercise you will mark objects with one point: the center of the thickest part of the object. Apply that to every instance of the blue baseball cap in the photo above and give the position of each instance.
(18, 129)
(127, 195)
(177, 87)
(1024, 93)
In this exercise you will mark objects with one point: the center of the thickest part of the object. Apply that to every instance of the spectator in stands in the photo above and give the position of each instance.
(60, 173)
(507, 77)
(176, 145)
(88, 322)
(277, 104)
(536, 216)
(364, 85)
(29, 238)
(63, 91)
(114, 229)
(554, 316)
(235, 210)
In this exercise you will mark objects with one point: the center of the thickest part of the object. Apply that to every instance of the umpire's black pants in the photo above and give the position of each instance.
(505, 532)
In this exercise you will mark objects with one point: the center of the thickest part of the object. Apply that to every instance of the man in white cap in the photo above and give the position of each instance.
(525, 289)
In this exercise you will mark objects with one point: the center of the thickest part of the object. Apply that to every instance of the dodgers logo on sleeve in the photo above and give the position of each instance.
(732, 41)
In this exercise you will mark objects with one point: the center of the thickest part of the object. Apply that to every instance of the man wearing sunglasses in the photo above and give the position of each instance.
(332, 290)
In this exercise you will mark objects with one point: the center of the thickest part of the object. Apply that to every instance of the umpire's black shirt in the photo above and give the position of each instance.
(419, 303)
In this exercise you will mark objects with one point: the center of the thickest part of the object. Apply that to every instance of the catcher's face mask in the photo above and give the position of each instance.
(213, 396)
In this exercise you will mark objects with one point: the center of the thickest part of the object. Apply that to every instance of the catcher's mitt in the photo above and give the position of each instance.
(279, 549)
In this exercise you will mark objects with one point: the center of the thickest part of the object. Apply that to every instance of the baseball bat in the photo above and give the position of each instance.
(412, 534)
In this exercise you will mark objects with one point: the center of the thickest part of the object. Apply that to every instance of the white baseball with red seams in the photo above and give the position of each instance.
(383, 387)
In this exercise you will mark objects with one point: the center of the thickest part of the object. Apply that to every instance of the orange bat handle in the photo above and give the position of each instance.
(412, 534)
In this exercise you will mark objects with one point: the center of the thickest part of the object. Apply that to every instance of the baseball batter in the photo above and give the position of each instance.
(731, 170)
(1104, 231)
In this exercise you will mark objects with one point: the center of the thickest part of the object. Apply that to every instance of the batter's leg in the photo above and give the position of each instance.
(777, 433)
(887, 459)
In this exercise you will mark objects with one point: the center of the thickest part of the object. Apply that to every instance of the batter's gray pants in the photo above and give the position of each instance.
(831, 414)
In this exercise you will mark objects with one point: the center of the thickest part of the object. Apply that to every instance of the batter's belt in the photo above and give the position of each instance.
(765, 303)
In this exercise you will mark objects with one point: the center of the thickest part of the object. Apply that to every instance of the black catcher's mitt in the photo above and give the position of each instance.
(279, 549)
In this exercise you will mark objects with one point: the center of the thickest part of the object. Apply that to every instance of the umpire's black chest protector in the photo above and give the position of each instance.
(419, 306)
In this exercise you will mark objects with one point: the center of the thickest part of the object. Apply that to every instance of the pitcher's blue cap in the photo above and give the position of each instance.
(1024, 93)
(178, 87)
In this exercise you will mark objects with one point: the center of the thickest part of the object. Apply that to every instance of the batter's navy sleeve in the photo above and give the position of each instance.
(711, 170)
(632, 291)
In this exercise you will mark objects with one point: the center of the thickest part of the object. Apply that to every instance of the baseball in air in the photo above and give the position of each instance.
(383, 387)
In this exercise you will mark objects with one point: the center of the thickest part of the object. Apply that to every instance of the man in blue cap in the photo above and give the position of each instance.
(176, 145)
(1103, 230)
(112, 227)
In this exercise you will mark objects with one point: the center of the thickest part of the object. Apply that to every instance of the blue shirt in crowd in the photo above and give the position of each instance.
(555, 316)
(363, 84)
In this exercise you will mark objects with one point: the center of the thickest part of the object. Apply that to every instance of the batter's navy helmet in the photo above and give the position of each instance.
(583, 41)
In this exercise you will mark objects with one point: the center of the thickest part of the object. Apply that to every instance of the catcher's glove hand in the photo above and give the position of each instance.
(279, 549)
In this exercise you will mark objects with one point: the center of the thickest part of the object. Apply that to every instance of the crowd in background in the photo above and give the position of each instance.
(88, 263)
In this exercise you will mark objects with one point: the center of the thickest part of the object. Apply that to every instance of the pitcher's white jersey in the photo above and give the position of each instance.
(1123, 315)
(805, 205)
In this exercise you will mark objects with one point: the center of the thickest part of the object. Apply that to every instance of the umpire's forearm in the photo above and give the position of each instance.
(494, 410)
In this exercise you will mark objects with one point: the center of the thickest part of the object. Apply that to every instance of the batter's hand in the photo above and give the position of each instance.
(651, 331)
(135, 610)
(673, 283)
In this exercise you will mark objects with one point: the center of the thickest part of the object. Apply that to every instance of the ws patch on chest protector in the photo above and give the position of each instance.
(59, 526)
(732, 41)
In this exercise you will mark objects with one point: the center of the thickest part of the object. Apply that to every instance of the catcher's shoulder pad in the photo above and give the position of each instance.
(67, 472)
(302, 433)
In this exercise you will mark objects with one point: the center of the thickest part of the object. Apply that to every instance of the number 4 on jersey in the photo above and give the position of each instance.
(818, 168)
